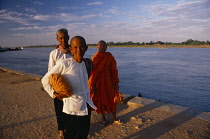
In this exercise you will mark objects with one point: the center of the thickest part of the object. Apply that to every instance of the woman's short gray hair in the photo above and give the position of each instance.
(62, 30)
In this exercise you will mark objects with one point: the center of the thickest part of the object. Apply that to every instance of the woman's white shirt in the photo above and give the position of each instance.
(55, 56)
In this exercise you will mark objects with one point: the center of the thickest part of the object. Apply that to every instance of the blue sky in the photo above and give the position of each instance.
(34, 22)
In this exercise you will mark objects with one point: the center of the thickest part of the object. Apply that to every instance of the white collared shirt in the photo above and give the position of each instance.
(55, 56)
(76, 75)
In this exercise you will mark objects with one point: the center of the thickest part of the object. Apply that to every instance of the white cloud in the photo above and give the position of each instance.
(2, 21)
(71, 26)
(67, 8)
(155, 30)
(113, 11)
(63, 17)
(176, 23)
(41, 28)
(137, 17)
(38, 3)
(101, 15)
(19, 34)
(15, 17)
(115, 25)
(67, 17)
(173, 30)
(54, 28)
(35, 35)
(30, 39)
(95, 3)
(189, 10)
(63, 8)
(30, 10)
(88, 16)
(30, 28)
(3, 11)
(43, 17)
(165, 22)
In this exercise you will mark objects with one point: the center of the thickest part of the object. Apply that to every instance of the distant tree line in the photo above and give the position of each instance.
(40, 46)
(188, 42)
(129, 43)
(195, 42)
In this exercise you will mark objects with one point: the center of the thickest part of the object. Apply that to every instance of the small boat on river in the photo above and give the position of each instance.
(10, 49)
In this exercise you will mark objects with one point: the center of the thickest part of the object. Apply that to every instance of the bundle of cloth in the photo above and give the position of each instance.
(61, 86)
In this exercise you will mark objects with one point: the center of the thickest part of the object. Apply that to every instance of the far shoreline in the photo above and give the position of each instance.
(164, 46)
(140, 46)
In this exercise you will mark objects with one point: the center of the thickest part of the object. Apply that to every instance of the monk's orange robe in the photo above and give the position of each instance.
(104, 76)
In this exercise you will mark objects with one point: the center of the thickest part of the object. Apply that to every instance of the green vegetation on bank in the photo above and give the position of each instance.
(187, 44)
(40, 46)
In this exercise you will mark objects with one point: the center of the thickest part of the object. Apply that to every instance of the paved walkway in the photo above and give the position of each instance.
(28, 112)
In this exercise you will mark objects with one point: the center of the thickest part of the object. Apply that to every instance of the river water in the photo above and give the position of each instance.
(179, 76)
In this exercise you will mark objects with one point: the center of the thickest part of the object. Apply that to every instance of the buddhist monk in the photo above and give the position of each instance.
(103, 83)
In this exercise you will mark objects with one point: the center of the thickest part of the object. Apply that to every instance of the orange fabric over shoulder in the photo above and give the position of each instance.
(61, 86)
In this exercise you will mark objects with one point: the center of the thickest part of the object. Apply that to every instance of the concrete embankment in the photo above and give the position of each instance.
(28, 112)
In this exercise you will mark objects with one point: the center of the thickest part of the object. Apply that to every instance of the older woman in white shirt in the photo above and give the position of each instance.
(61, 52)
(77, 106)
